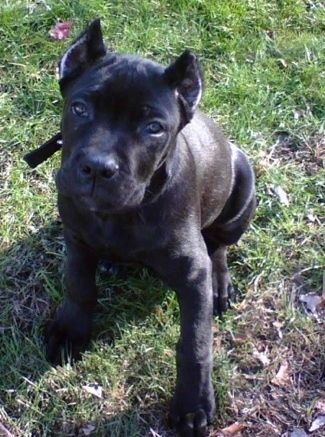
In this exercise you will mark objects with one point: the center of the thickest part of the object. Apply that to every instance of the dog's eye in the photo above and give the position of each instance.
(79, 109)
(154, 128)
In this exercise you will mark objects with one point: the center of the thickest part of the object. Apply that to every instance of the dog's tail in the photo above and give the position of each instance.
(44, 152)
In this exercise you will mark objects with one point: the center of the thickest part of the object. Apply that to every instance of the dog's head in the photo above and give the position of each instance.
(120, 121)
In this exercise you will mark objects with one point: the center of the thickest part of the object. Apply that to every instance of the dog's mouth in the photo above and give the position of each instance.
(94, 205)
(91, 204)
(111, 204)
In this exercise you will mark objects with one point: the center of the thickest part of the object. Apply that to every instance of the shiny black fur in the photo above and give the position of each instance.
(146, 177)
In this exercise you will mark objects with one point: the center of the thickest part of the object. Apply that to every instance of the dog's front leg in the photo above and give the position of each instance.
(193, 404)
(69, 333)
(189, 274)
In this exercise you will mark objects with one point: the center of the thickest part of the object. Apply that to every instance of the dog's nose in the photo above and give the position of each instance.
(102, 167)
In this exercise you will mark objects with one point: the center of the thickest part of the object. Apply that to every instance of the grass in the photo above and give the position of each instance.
(264, 64)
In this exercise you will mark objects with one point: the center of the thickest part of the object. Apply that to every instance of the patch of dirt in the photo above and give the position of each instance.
(279, 356)
(309, 152)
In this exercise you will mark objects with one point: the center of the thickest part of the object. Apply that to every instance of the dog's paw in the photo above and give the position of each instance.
(191, 424)
(191, 414)
(108, 269)
(222, 294)
(67, 335)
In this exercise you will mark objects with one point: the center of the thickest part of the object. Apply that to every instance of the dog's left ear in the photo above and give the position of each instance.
(88, 48)
(185, 77)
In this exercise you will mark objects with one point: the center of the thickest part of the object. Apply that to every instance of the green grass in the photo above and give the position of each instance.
(264, 64)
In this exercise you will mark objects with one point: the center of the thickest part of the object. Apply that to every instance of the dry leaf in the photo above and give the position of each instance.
(262, 356)
(312, 300)
(283, 62)
(312, 218)
(233, 430)
(282, 378)
(320, 405)
(95, 390)
(298, 113)
(281, 194)
(278, 325)
(317, 423)
(61, 30)
(88, 429)
(240, 338)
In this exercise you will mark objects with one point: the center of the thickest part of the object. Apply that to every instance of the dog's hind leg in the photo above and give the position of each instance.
(222, 285)
(228, 228)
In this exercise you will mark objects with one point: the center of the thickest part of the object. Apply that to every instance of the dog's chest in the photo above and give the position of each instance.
(121, 239)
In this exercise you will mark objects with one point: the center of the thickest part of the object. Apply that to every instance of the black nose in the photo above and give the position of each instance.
(100, 167)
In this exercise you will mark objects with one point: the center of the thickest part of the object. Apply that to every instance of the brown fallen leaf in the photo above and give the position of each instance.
(233, 430)
(241, 338)
(278, 325)
(61, 30)
(282, 378)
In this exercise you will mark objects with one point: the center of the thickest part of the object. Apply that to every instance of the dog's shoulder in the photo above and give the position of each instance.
(205, 139)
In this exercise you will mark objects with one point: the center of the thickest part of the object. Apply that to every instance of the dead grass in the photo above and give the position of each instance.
(264, 64)
(279, 356)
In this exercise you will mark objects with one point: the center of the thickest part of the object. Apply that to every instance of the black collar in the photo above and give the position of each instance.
(44, 152)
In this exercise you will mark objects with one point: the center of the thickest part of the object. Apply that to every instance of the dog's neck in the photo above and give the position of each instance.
(161, 177)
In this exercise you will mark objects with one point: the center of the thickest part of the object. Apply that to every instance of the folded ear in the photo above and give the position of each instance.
(185, 76)
(84, 52)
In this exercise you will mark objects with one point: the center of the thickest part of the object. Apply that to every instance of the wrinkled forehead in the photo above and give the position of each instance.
(127, 78)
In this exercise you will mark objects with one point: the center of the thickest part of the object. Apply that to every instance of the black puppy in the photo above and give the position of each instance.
(147, 178)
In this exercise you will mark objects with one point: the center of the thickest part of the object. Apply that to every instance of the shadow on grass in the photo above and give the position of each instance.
(31, 282)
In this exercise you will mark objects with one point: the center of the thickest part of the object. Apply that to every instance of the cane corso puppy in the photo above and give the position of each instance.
(145, 177)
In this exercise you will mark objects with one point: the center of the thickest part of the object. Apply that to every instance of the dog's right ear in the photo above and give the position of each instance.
(88, 48)
(185, 77)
